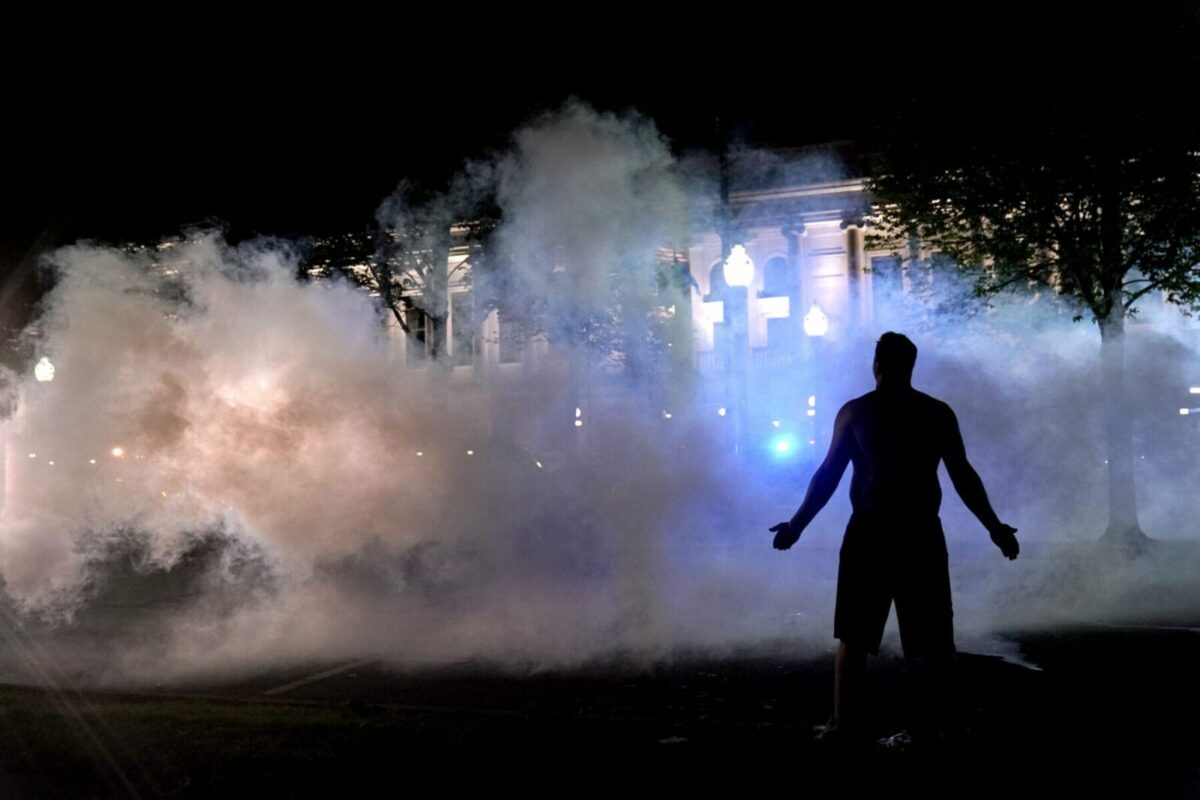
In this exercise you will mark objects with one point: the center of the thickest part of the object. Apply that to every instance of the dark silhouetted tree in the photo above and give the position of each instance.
(1095, 198)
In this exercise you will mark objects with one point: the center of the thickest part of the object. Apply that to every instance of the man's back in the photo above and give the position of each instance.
(896, 439)
(895, 436)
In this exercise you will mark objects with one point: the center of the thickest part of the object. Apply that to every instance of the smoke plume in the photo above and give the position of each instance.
(233, 466)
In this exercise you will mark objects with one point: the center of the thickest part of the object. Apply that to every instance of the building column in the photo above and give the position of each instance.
(855, 270)
(796, 236)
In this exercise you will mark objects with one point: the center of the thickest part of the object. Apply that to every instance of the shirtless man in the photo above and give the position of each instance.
(894, 548)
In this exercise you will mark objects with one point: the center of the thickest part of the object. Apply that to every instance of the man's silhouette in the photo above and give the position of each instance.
(894, 548)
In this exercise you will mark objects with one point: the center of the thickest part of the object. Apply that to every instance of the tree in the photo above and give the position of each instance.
(404, 261)
(1101, 211)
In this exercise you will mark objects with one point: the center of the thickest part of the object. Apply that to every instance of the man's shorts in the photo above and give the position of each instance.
(888, 557)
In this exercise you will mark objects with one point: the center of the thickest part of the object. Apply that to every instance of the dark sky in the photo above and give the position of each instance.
(121, 129)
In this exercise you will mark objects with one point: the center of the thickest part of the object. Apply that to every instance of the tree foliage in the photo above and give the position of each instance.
(1104, 226)
(1102, 211)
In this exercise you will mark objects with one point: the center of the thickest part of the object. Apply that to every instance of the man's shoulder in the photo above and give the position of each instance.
(935, 406)
(853, 406)
(926, 405)
(920, 397)
(929, 399)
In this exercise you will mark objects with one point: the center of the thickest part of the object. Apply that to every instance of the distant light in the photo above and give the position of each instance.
(164, 494)
(739, 268)
(91, 461)
(578, 423)
(470, 452)
(812, 412)
(812, 401)
(783, 445)
(578, 412)
(420, 453)
(774, 423)
(118, 452)
(1183, 412)
(1194, 390)
(52, 463)
(816, 324)
(33, 455)
(539, 464)
(120, 480)
(812, 441)
(666, 414)
(43, 370)
(721, 411)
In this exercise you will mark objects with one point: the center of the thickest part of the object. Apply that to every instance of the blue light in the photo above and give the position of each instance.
(783, 445)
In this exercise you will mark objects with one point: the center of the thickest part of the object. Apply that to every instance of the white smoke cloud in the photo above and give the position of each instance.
(300, 493)
(595, 190)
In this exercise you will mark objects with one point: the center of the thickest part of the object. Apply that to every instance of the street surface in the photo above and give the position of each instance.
(1111, 710)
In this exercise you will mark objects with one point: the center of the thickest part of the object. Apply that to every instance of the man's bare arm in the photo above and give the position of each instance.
(823, 484)
(969, 486)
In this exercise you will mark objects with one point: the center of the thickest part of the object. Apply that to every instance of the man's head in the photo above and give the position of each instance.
(895, 356)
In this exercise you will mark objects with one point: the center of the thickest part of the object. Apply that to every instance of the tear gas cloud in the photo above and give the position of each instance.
(233, 466)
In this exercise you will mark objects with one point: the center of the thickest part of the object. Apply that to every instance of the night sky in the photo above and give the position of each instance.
(127, 129)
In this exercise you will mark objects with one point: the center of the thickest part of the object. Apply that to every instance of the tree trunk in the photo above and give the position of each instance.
(1123, 528)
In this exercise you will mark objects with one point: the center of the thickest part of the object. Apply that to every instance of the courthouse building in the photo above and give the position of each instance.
(793, 224)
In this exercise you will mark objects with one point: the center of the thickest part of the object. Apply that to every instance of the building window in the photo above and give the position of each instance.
(716, 281)
(941, 261)
(510, 339)
(462, 321)
(887, 276)
(777, 278)
(418, 335)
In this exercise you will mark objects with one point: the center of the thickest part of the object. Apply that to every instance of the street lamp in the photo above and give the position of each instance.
(739, 267)
(739, 274)
(44, 370)
(816, 324)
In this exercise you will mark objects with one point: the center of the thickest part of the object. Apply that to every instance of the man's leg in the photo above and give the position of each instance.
(925, 611)
(849, 667)
(864, 599)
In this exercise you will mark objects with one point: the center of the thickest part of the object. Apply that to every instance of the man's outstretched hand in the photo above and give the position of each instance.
(1005, 538)
(785, 535)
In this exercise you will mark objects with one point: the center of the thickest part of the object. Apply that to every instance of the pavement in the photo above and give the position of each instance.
(1110, 710)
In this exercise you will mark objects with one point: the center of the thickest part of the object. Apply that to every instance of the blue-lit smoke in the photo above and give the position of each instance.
(784, 445)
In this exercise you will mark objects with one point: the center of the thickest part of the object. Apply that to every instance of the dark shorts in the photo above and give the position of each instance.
(887, 558)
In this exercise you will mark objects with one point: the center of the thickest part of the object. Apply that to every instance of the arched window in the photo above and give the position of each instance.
(777, 277)
(716, 280)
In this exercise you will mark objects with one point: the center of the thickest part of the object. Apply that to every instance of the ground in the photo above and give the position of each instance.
(1112, 710)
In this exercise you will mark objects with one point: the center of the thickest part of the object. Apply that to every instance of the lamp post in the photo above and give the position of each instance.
(816, 325)
(739, 274)
(43, 371)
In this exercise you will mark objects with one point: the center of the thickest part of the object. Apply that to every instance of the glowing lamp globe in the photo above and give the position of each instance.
(44, 370)
(783, 445)
(815, 321)
(739, 268)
